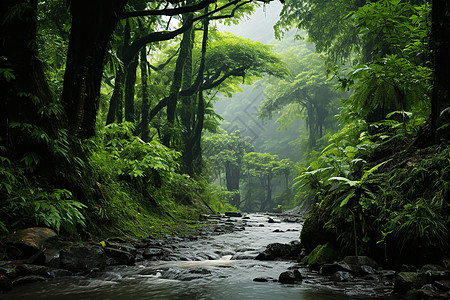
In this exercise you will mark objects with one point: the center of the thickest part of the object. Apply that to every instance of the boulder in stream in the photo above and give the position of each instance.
(290, 276)
(235, 214)
(28, 242)
(406, 281)
(341, 276)
(322, 254)
(360, 261)
(330, 269)
(120, 257)
(82, 258)
(152, 252)
(27, 269)
(275, 251)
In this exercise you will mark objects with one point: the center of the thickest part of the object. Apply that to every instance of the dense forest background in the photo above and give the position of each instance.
(134, 117)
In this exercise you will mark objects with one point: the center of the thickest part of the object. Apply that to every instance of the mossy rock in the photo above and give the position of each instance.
(322, 254)
(313, 232)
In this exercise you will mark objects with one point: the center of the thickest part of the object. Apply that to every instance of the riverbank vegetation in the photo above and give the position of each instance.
(136, 117)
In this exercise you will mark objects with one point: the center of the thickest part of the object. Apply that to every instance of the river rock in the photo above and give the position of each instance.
(330, 269)
(290, 276)
(121, 257)
(341, 276)
(275, 251)
(51, 257)
(261, 279)
(322, 254)
(82, 258)
(233, 214)
(29, 241)
(428, 291)
(127, 247)
(291, 220)
(360, 261)
(27, 269)
(406, 281)
(152, 252)
(368, 270)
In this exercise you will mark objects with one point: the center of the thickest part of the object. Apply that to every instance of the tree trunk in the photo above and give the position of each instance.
(93, 22)
(129, 90)
(194, 163)
(28, 91)
(115, 103)
(232, 174)
(145, 96)
(269, 203)
(187, 110)
(176, 83)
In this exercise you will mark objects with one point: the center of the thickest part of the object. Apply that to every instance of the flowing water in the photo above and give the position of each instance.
(213, 275)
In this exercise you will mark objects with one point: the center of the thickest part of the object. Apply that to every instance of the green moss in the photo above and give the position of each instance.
(322, 254)
(127, 212)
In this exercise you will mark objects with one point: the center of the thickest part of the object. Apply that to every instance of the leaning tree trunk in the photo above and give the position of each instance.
(93, 22)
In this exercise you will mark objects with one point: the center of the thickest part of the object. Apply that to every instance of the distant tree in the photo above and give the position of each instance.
(265, 167)
(308, 94)
(224, 152)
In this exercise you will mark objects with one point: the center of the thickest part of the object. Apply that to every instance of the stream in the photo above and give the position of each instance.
(203, 268)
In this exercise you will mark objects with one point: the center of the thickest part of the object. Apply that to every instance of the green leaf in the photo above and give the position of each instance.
(347, 198)
(344, 180)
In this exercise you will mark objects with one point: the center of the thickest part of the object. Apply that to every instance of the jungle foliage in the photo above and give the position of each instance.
(110, 123)
(105, 106)
(380, 185)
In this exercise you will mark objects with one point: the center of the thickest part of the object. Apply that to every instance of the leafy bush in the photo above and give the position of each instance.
(218, 198)
(25, 204)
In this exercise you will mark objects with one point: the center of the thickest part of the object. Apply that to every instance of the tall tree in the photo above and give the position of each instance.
(308, 94)
(90, 33)
(22, 80)
(226, 152)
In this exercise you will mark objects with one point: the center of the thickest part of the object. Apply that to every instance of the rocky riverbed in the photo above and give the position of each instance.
(254, 256)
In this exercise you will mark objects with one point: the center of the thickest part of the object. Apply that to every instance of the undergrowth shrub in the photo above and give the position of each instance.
(394, 212)
(23, 202)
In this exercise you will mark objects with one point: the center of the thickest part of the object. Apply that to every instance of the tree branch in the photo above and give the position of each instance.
(158, 108)
(232, 12)
(167, 35)
(169, 11)
(161, 66)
